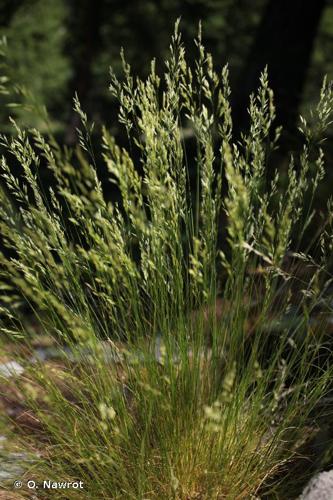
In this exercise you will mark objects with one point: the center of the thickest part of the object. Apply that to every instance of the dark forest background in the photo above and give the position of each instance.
(57, 47)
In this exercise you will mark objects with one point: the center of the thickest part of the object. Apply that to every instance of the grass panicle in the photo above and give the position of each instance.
(186, 281)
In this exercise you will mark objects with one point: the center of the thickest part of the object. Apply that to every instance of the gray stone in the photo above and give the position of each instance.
(11, 369)
(12, 465)
(320, 487)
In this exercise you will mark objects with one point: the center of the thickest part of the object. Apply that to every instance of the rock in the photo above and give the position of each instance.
(51, 352)
(320, 487)
(12, 464)
(11, 369)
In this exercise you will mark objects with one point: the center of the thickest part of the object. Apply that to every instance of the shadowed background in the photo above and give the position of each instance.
(58, 46)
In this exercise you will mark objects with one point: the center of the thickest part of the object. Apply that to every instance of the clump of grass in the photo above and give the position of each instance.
(227, 402)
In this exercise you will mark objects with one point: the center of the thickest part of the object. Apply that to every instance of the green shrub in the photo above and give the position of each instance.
(228, 401)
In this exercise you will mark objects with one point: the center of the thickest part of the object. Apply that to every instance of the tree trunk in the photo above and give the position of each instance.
(284, 42)
(87, 17)
(8, 9)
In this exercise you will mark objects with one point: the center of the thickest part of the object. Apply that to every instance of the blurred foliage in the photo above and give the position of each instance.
(322, 62)
(37, 64)
(47, 37)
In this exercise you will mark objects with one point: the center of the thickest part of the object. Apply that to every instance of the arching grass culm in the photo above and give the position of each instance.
(195, 312)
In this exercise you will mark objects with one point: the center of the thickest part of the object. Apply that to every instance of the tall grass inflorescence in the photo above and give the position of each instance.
(185, 378)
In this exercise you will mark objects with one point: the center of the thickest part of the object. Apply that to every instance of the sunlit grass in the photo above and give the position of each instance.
(203, 398)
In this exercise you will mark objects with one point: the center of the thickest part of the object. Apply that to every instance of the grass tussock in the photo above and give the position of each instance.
(187, 282)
